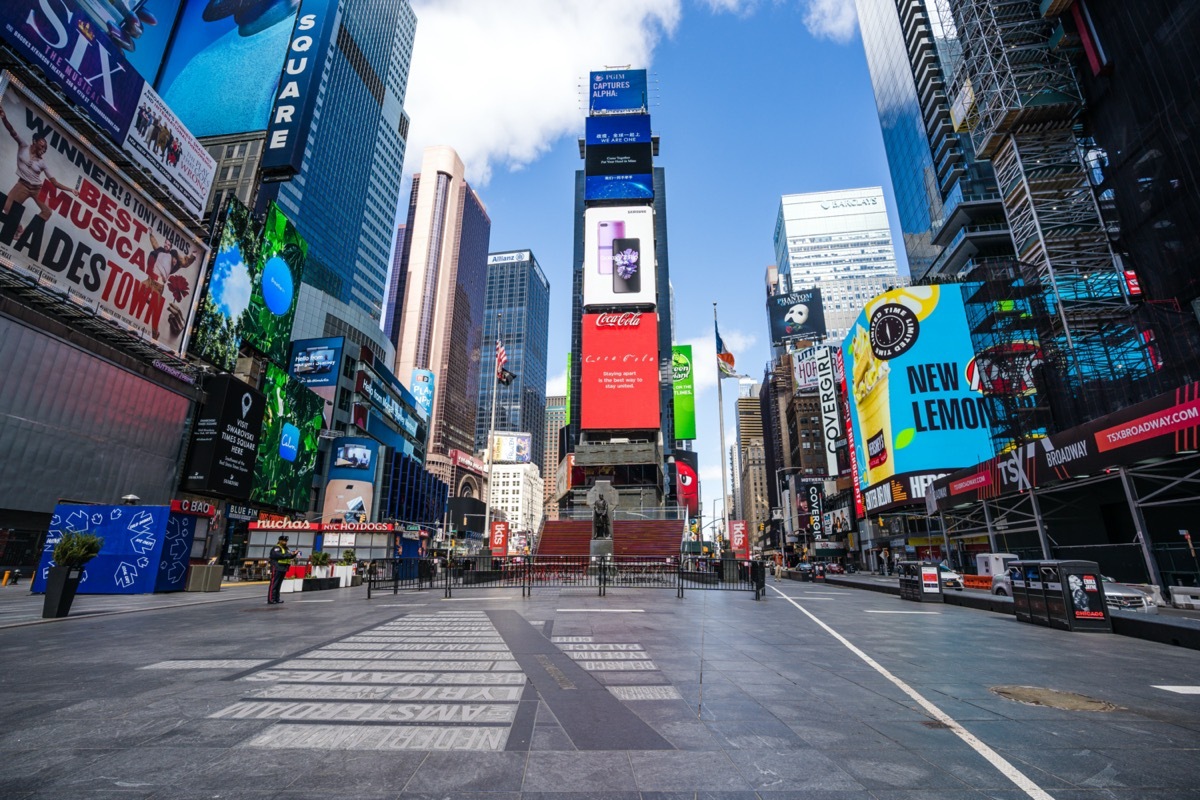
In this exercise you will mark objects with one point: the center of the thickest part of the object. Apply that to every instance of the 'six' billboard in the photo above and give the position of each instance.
(912, 408)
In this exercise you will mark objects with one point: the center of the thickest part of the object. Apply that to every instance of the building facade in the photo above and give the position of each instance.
(838, 242)
(395, 293)
(517, 291)
(444, 264)
(516, 491)
(556, 418)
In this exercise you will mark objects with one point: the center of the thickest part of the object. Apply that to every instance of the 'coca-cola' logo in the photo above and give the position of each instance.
(627, 319)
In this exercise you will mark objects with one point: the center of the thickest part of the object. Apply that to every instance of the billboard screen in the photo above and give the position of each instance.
(617, 129)
(225, 439)
(219, 50)
(316, 362)
(422, 386)
(618, 172)
(687, 478)
(796, 315)
(619, 374)
(618, 258)
(831, 424)
(78, 48)
(253, 288)
(350, 490)
(129, 264)
(511, 448)
(804, 369)
(620, 91)
(684, 381)
(287, 448)
(913, 411)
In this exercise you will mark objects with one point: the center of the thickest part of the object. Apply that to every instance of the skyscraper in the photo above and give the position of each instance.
(838, 242)
(517, 290)
(556, 418)
(444, 267)
(395, 294)
(343, 197)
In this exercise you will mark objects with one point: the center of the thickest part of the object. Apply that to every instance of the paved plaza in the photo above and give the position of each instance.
(816, 692)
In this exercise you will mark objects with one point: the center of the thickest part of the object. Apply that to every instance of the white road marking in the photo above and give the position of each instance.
(316, 601)
(1180, 689)
(228, 663)
(995, 759)
(880, 611)
(402, 605)
(806, 598)
(645, 692)
(601, 610)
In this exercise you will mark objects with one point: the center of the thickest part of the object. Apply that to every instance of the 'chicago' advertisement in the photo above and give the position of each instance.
(76, 228)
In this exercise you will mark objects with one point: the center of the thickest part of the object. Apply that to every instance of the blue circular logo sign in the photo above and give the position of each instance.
(277, 286)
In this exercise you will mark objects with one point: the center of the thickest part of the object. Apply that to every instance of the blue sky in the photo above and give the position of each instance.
(754, 100)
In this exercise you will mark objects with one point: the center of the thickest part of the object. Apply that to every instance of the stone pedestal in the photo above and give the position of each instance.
(602, 548)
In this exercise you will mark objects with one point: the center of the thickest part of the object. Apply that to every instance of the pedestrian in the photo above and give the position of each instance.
(281, 561)
(883, 561)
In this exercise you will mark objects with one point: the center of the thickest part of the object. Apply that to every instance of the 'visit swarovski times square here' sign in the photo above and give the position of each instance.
(103, 245)
(914, 412)
(71, 43)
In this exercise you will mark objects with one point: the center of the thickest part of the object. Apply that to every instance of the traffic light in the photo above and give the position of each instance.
(761, 527)
(694, 525)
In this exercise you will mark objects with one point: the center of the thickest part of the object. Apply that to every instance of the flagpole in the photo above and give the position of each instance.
(487, 460)
(724, 455)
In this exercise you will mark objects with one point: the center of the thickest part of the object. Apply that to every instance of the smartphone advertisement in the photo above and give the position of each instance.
(618, 262)
(350, 492)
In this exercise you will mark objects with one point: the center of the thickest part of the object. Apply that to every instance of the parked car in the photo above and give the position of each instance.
(1118, 596)
(950, 578)
(834, 569)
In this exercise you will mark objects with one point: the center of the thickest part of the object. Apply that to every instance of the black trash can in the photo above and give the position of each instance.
(1020, 591)
(1082, 590)
(920, 582)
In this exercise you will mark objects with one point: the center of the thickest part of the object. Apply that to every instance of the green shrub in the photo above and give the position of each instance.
(76, 549)
(319, 559)
(348, 558)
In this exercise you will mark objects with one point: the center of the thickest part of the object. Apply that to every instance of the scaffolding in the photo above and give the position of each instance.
(1027, 101)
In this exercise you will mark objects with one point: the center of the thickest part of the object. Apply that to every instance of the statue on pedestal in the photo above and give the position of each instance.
(603, 499)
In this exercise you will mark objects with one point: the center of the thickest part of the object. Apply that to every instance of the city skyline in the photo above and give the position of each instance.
(723, 204)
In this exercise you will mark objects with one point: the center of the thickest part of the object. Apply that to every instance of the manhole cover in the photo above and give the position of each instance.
(1052, 698)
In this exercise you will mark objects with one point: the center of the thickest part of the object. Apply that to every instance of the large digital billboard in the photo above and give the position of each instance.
(684, 380)
(79, 229)
(350, 491)
(287, 448)
(316, 363)
(912, 408)
(619, 267)
(252, 292)
(687, 480)
(618, 171)
(230, 50)
(617, 91)
(423, 384)
(225, 439)
(511, 448)
(796, 315)
(78, 47)
(617, 129)
(619, 373)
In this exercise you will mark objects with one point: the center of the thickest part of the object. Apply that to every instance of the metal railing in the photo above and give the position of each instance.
(568, 572)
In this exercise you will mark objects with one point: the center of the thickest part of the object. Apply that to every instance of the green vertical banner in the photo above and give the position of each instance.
(567, 420)
(685, 391)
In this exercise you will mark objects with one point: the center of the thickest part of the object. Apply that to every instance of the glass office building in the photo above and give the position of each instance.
(517, 289)
(344, 198)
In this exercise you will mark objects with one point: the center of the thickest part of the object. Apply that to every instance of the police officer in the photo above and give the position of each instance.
(281, 560)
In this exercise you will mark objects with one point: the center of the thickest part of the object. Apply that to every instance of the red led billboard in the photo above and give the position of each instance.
(620, 371)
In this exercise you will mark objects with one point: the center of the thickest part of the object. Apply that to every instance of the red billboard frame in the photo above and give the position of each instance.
(619, 372)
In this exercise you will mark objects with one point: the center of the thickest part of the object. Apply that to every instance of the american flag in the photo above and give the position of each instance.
(501, 360)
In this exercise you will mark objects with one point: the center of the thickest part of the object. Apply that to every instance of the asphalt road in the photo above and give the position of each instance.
(833, 693)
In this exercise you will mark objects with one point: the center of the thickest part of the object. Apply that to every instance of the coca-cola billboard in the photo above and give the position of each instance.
(619, 372)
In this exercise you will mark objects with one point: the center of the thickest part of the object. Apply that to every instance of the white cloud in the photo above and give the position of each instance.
(557, 385)
(831, 19)
(500, 82)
